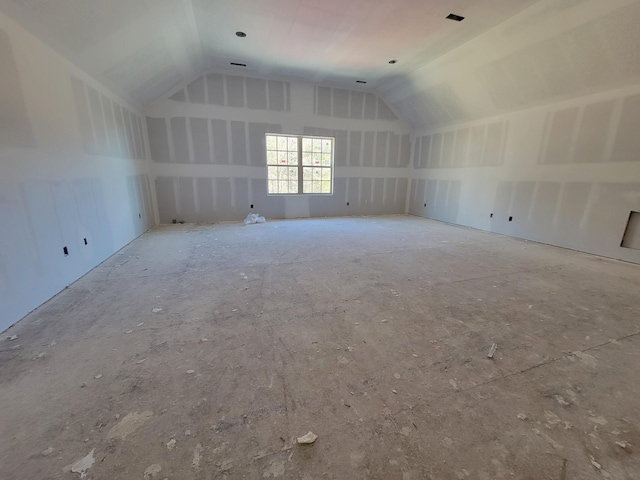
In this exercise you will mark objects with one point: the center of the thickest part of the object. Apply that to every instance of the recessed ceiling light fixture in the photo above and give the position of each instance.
(238, 64)
(393, 62)
(360, 81)
(453, 16)
(241, 34)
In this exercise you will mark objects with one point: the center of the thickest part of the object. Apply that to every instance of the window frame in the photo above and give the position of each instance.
(300, 163)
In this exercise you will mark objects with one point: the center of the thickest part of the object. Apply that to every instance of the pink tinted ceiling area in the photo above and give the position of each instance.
(142, 49)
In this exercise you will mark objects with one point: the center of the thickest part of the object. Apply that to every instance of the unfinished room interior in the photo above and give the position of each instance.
(320, 239)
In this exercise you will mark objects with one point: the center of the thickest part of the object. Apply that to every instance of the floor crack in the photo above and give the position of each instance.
(533, 367)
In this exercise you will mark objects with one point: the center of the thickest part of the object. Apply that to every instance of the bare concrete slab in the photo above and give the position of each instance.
(202, 352)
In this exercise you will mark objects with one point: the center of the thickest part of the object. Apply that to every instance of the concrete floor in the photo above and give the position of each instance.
(371, 332)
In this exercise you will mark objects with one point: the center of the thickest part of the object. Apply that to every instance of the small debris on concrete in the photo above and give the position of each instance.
(492, 350)
(128, 332)
(522, 416)
(151, 471)
(203, 340)
(551, 418)
(129, 424)
(596, 465)
(12, 338)
(385, 321)
(171, 444)
(156, 310)
(396, 375)
(623, 444)
(600, 420)
(187, 433)
(140, 324)
(394, 391)
(307, 439)
(191, 372)
(49, 451)
(141, 361)
(84, 464)
(98, 377)
(414, 355)
(560, 399)
(197, 456)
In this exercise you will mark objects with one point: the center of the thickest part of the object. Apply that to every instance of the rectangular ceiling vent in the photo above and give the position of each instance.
(453, 16)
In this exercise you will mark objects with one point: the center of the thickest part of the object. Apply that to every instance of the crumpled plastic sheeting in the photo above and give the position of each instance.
(254, 218)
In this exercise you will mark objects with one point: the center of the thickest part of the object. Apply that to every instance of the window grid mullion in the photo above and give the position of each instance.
(300, 168)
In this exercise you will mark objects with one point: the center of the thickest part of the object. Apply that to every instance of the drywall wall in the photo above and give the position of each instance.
(73, 173)
(138, 49)
(549, 140)
(207, 142)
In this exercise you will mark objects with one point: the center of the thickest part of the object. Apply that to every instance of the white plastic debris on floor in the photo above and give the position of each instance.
(254, 218)
(307, 439)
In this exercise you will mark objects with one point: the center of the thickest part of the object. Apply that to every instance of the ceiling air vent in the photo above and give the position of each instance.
(453, 16)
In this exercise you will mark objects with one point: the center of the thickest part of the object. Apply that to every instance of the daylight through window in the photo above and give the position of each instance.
(298, 164)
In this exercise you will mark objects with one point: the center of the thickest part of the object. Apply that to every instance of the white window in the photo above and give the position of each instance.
(298, 164)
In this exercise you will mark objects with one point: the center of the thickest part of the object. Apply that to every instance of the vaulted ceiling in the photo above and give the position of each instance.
(142, 49)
